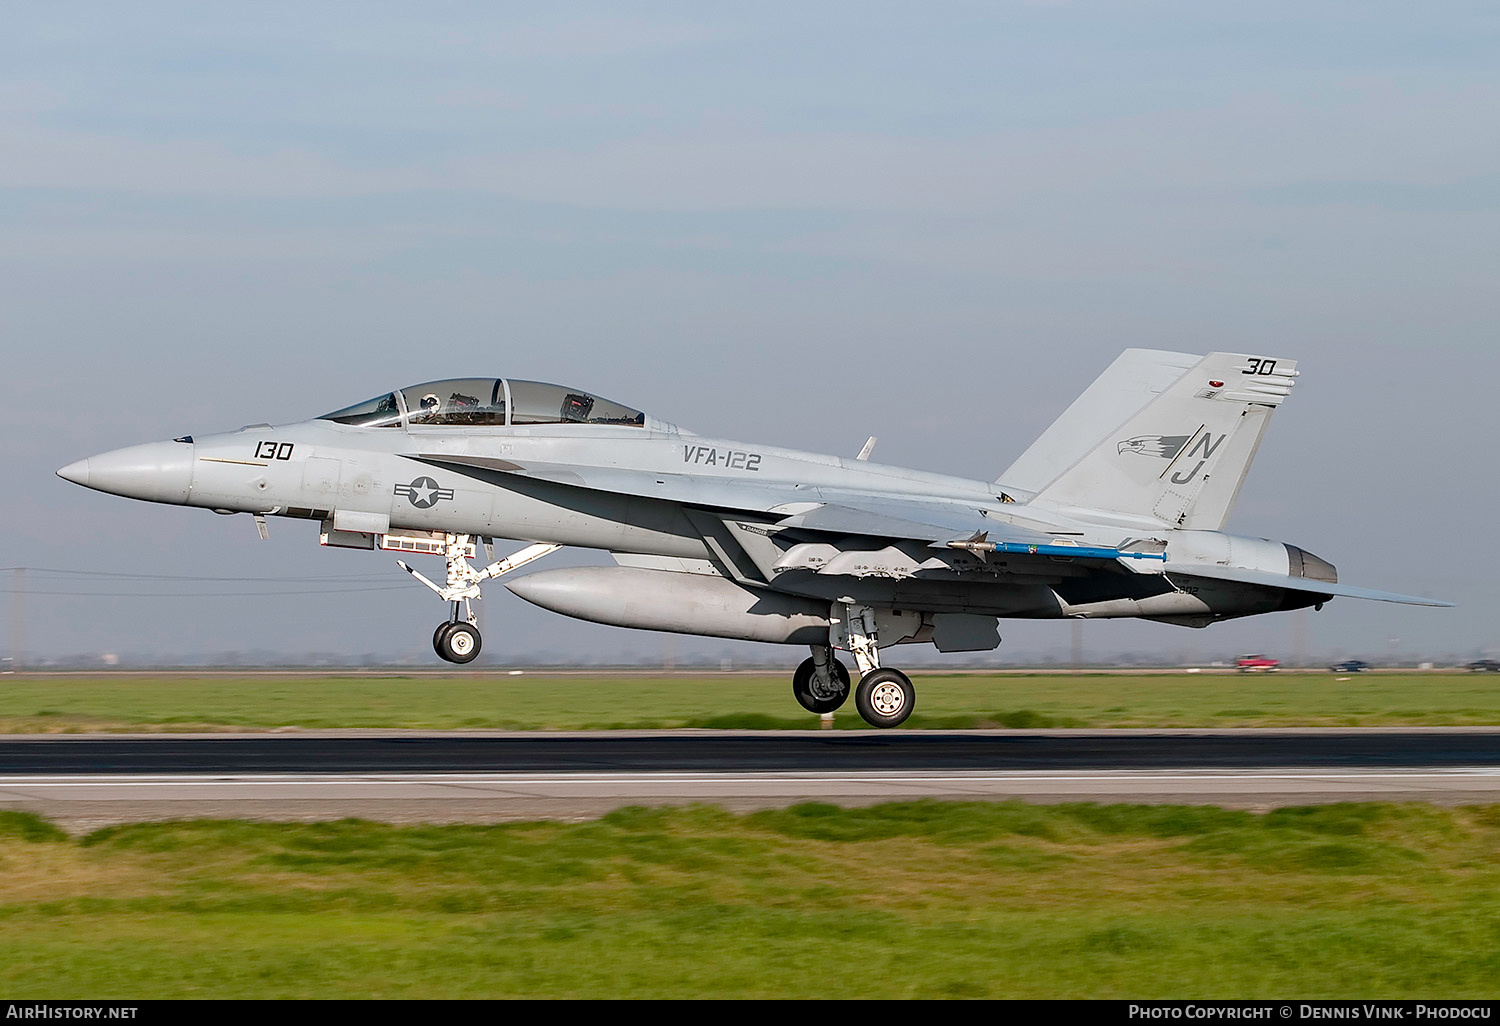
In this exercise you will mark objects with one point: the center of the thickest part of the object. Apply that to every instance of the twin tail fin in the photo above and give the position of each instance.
(1181, 456)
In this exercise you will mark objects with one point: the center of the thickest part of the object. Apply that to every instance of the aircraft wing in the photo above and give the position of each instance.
(929, 522)
(836, 512)
(1304, 584)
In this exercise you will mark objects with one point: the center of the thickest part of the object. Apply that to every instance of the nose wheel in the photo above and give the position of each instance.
(457, 639)
(456, 642)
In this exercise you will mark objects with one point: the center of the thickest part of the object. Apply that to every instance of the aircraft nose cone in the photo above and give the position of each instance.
(156, 471)
(77, 472)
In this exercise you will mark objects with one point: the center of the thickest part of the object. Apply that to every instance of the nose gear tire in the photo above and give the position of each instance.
(460, 643)
(438, 635)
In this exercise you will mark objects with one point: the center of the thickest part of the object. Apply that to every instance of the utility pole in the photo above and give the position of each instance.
(17, 616)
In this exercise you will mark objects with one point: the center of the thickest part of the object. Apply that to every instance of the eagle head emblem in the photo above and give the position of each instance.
(1162, 446)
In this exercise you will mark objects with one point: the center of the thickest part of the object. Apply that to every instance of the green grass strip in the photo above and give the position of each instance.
(915, 899)
(749, 702)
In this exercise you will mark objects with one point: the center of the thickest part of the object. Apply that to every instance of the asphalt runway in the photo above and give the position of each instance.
(85, 781)
(320, 752)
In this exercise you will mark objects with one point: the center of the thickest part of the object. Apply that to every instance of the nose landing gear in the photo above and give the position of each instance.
(457, 640)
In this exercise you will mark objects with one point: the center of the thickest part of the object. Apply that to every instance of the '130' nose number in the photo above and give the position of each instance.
(273, 451)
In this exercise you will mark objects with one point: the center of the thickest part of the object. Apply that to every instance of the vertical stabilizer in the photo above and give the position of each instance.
(1135, 378)
(1182, 457)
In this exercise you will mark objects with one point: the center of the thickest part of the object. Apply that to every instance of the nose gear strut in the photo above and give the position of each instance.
(457, 639)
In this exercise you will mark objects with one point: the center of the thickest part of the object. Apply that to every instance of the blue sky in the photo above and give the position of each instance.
(789, 223)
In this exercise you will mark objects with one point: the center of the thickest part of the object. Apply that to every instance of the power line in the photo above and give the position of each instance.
(186, 577)
(208, 594)
(150, 585)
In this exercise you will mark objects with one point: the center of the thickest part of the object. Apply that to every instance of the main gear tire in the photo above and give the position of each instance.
(885, 698)
(802, 687)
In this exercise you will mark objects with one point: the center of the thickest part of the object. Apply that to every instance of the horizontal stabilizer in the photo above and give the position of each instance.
(1312, 586)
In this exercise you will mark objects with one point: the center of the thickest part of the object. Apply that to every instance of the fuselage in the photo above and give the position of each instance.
(407, 477)
(312, 469)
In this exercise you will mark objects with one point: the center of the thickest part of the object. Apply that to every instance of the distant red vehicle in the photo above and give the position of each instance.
(1257, 662)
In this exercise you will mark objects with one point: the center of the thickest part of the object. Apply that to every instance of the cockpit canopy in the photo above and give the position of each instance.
(486, 402)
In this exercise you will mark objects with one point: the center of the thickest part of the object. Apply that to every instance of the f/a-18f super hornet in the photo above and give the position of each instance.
(1117, 510)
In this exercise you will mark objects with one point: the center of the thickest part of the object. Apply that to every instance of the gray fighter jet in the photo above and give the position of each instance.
(1116, 511)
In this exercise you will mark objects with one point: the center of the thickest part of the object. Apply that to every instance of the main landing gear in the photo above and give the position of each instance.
(821, 684)
(884, 696)
(457, 639)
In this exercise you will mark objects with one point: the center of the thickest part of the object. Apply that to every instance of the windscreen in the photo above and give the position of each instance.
(381, 411)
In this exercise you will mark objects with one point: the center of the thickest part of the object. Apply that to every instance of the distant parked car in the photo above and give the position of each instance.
(1350, 666)
(1257, 662)
(1485, 666)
